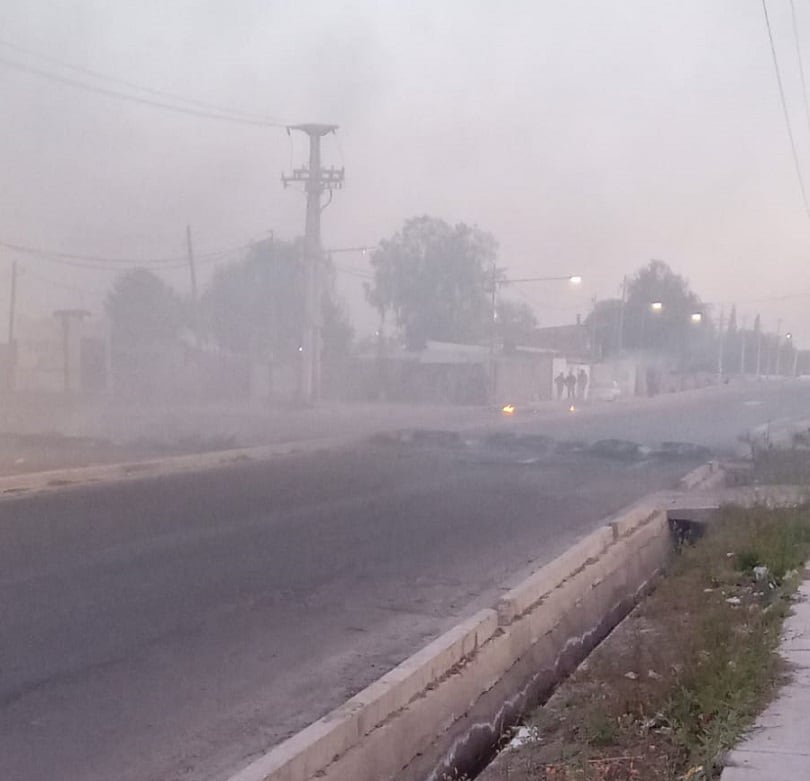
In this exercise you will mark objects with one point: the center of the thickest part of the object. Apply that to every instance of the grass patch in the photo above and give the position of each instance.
(678, 683)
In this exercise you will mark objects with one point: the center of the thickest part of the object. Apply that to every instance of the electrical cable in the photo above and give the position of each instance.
(90, 260)
(135, 99)
(785, 109)
(133, 85)
(801, 62)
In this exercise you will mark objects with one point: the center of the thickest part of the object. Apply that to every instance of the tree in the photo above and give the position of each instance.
(515, 320)
(337, 332)
(435, 279)
(668, 326)
(255, 306)
(143, 310)
(603, 324)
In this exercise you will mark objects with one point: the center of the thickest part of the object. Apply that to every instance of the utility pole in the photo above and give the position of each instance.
(195, 321)
(493, 332)
(316, 180)
(620, 335)
(742, 348)
(720, 343)
(12, 307)
(778, 346)
(12, 314)
(758, 327)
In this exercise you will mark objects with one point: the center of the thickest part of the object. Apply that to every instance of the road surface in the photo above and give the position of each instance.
(174, 628)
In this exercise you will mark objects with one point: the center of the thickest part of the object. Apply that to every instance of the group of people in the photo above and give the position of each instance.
(573, 386)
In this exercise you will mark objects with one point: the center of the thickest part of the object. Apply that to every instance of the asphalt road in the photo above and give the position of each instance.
(173, 628)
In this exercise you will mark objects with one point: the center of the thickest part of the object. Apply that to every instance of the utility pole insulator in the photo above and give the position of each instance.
(316, 180)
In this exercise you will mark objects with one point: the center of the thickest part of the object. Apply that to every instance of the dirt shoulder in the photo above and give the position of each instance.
(23, 454)
(675, 686)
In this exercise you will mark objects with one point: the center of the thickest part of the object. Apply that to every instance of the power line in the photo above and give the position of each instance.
(63, 285)
(93, 261)
(801, 62)
(133, 85)
(785, 109)
(118, 95)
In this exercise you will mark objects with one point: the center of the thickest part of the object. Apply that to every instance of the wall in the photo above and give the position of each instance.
(523, 377)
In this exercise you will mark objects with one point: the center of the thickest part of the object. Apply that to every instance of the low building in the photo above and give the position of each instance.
(66, 353)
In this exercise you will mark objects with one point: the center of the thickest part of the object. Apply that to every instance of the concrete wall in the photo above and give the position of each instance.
(523, 377)
(442, 710)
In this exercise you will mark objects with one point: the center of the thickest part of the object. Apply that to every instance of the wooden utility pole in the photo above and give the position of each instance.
(192, 269)
(66, 316)
(620, 335)
(12, 346)
(778, 347)
(12, 307)
(317, 180)
(720, 345)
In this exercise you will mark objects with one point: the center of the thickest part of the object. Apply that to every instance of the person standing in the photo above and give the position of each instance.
(571, 385)
(559, 381)
(582, 384)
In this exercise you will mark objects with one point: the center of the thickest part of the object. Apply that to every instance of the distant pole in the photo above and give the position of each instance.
(778, 346)
(493, 312)
(759, 348)
(720, 345)
(65, 353)
(12, 308)
(317, 180)
(620, 335)
(12, 314)
(742, 348)
(195, 323)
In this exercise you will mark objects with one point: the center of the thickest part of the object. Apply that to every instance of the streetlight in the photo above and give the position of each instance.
(696, 318)
(657, 306)
(575, 280)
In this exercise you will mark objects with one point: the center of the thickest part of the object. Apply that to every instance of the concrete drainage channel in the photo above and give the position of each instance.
(441, 713)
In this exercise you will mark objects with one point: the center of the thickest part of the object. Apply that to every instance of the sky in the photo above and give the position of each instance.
(587, 137)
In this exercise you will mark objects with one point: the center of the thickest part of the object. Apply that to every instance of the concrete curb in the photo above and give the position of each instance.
(448, 703)
(705, 477)
(138, 470)
(316, 746)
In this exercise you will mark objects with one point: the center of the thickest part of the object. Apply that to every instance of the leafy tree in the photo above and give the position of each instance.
(435, 279)
(337, 332)
(515, 319)
(143, 310)
(603, 323)
(256, 305)
(667, 327)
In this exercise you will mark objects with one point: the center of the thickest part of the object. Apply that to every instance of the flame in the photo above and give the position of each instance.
(508, 409)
